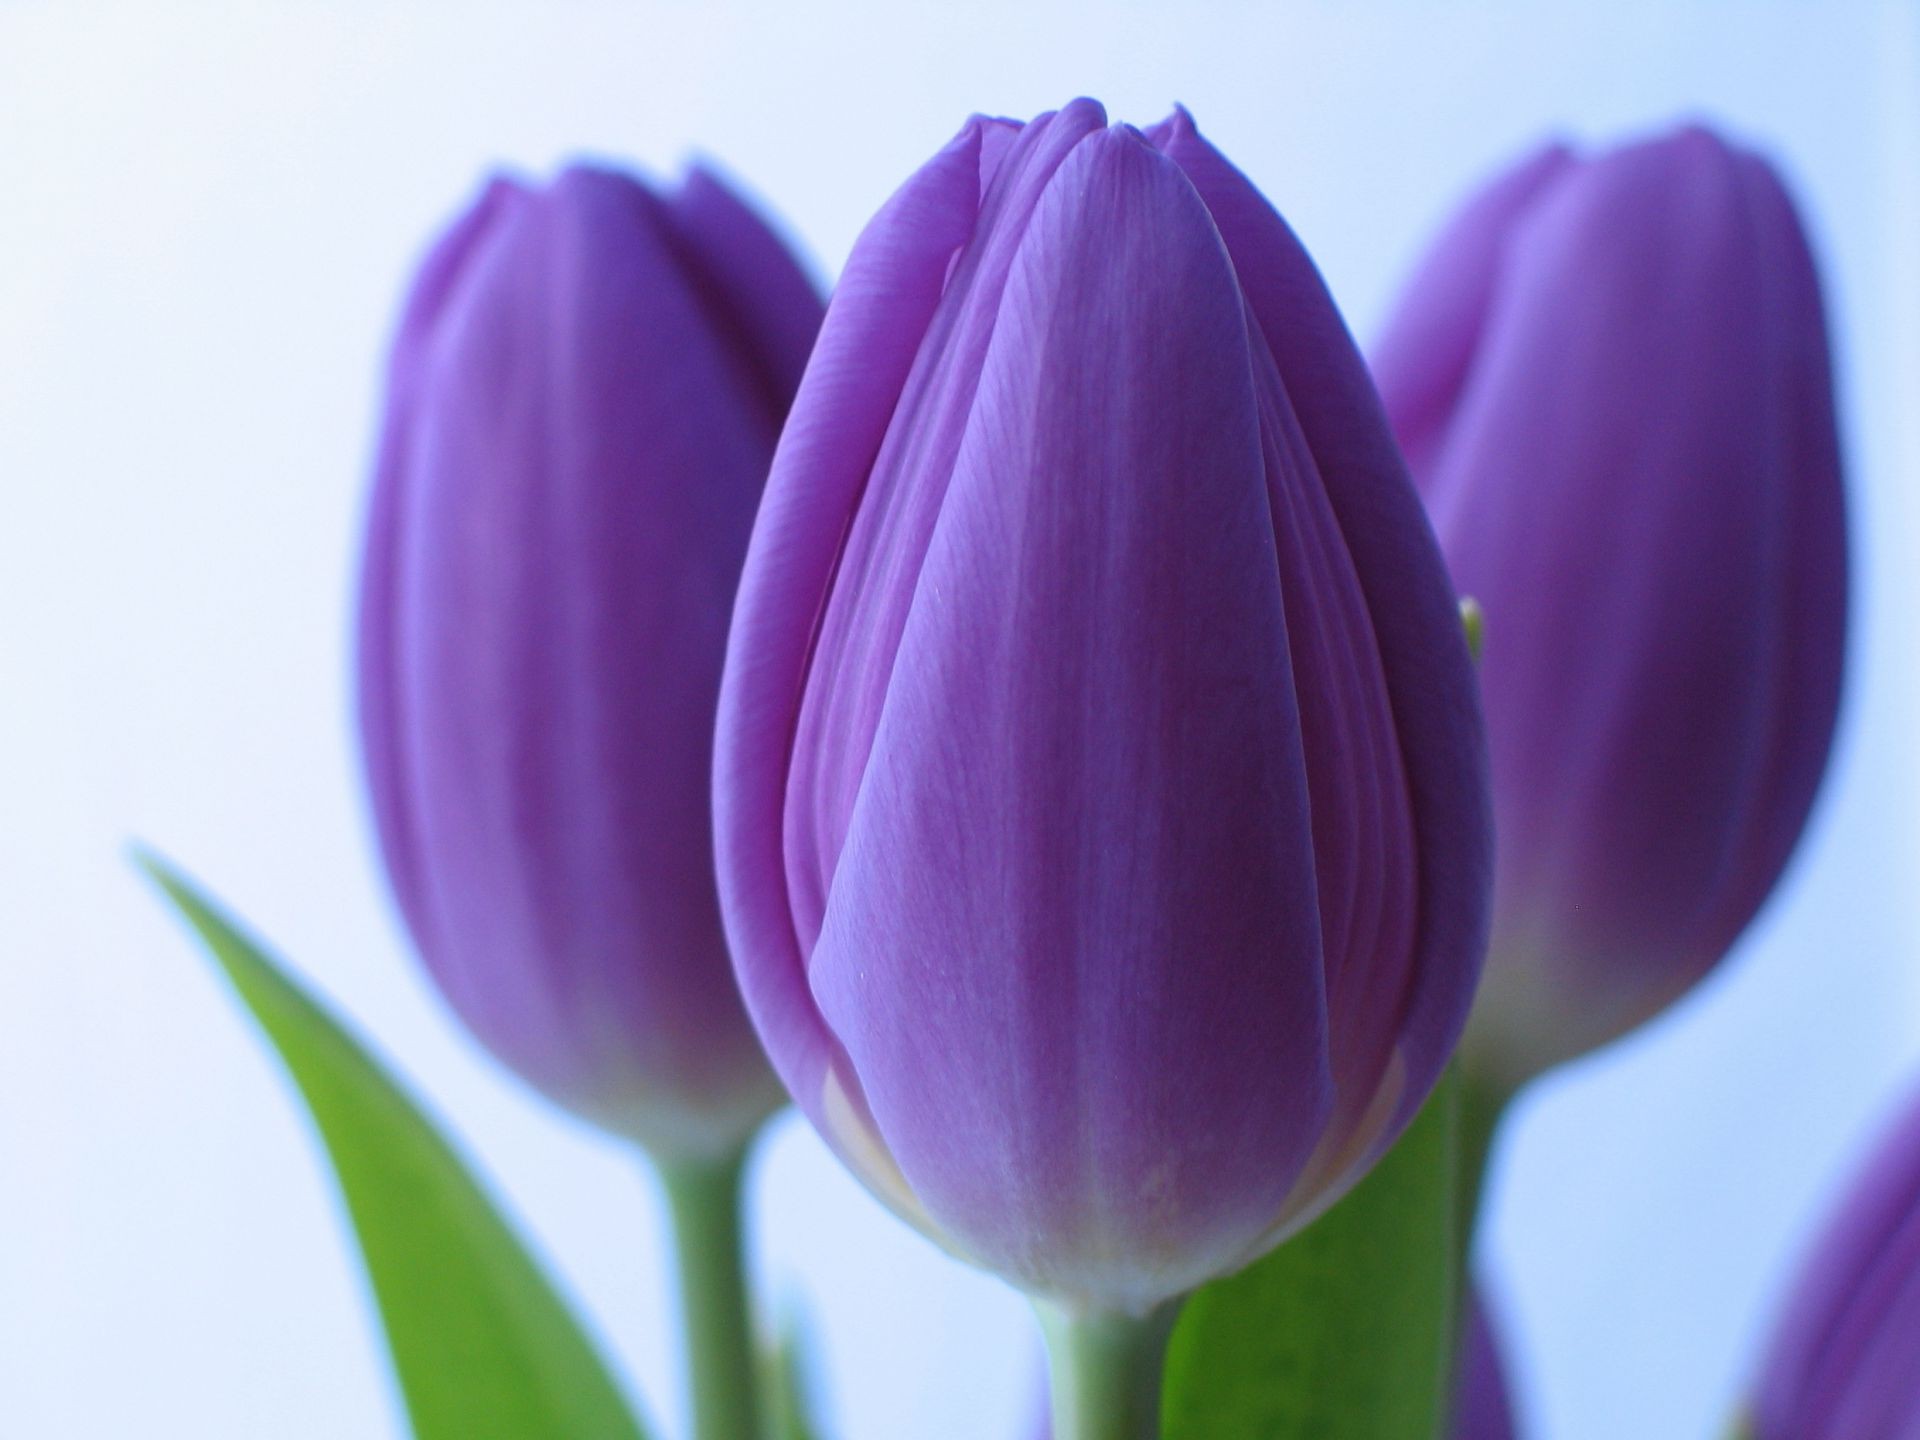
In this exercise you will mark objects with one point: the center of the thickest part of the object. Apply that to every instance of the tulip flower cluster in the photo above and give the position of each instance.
(1024, 705)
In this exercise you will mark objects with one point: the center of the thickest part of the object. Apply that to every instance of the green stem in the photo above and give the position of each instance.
(1105, 1372)
(1482, 1103)
(717, 1321)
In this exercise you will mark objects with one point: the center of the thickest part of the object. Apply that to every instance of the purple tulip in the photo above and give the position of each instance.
(1611, 381)
(584, 397)
(1101, 811)
(1844, 1363)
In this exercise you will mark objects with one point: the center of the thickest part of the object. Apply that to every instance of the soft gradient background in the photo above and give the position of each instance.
(206, 214)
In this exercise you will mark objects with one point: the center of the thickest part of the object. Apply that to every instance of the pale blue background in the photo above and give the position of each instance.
(205, 216)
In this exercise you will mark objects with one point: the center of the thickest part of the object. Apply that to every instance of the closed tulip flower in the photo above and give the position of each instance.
(1844, 1363)
(1101, 819)
(1610, 378)
(585, 393)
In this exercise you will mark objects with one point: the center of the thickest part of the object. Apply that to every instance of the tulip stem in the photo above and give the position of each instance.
(1105, 1372)
(717, 1320)
(1482, 1103)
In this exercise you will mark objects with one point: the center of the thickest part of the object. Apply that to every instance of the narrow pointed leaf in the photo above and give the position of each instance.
(483, 1347)
(1344, 1333)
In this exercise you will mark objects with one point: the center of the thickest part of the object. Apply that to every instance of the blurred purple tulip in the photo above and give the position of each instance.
(1610, 378)
(1482, 1399)
(1101, 811)
(584, 397)
(1844, 1363)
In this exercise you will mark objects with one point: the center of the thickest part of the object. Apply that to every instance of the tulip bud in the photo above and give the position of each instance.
(1101, 823)
(585, 392)
(1611, 381)
(1844, 1363)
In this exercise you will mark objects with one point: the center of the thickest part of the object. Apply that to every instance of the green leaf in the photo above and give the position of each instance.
(787, 1382)
(483, 1347)
(1343, 1333)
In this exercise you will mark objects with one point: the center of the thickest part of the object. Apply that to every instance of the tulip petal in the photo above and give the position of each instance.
(1807, 683)
(752, 285)
(1423, 360)
(1071, 948)
(881, 308)
(1844, 1363)
(553, 741)
(1643, 492)
(379, 667)
(1414, 614)
(887, 540)
(1362, 831)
